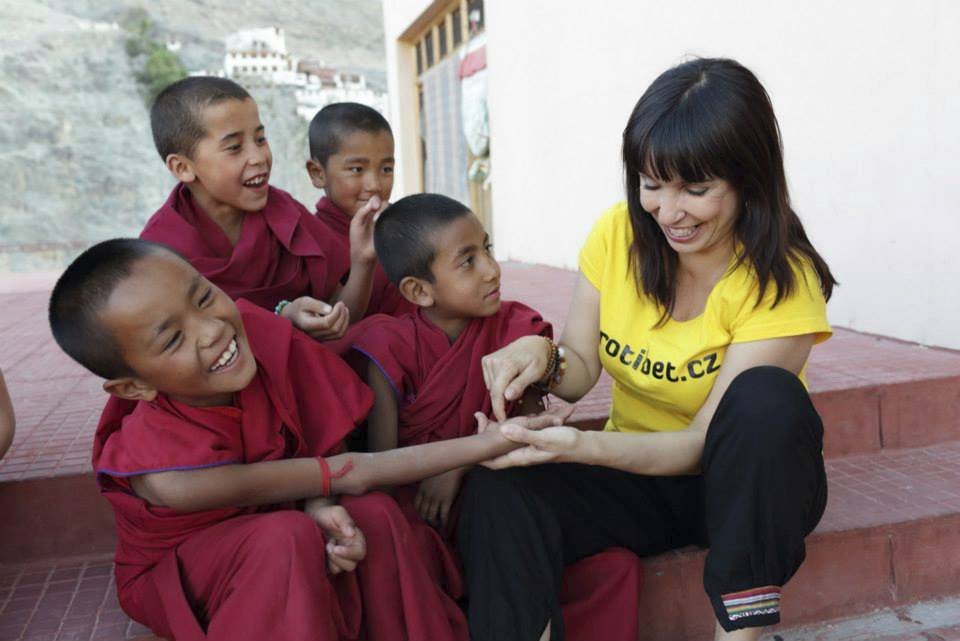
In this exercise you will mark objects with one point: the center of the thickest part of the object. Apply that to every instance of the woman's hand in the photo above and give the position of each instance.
(508, 371)
(554, 416)
(518, 428)
(318, 319)
(556, 444)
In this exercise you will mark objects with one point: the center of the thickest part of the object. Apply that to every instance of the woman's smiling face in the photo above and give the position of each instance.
(694, 217)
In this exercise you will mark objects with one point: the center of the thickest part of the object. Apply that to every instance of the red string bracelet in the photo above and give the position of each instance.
(326, 476)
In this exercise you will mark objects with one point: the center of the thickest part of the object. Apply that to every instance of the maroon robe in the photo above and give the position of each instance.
(385, 298)
(260, 572)
(283, 251)
(438, 387)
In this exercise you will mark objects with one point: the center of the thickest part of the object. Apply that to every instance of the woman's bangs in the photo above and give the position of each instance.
(679, 146)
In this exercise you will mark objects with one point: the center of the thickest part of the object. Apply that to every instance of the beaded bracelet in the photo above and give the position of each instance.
(555, 369)
(278, 310)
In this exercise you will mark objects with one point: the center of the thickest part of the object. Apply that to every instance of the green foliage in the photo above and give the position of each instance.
(163, 67)
(160, 66)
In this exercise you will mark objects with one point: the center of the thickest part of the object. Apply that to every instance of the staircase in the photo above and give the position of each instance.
(890, 536)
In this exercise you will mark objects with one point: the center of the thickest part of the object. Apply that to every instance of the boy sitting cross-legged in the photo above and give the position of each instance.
(351, 159)
(426, 373)
(223, 420)
(252, 240)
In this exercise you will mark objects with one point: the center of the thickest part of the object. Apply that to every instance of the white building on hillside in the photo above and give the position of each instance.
(325, 85)
(259, 54)
(260, 57)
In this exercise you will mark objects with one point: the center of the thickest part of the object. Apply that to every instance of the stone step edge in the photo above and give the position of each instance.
(924, 620)
(869, 418)
(846, 573)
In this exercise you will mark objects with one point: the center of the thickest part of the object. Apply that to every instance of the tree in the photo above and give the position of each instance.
(163, 67)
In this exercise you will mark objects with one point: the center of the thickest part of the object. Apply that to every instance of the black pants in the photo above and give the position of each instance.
(762, 490)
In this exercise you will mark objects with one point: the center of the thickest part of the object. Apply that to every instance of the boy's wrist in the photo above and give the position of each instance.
(497, 443)
(281, 308)
(287, 308)
(362, 259)
(319, 502)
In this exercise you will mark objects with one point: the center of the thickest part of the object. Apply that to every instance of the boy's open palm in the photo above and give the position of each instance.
(346, 545)
(545, 438)
(554, 416)
(548, 445)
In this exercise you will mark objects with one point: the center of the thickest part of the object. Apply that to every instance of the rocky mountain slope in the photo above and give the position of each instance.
(75, 144)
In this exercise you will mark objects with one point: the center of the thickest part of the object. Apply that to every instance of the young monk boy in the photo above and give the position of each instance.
(252, 240)
(224, 418)
(351, 159)
(426, 373)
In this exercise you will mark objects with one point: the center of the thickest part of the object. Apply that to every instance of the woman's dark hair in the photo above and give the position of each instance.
(705, 119)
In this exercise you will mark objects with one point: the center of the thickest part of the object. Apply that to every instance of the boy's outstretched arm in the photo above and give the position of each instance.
(7, 420)
(436, 495)
(268, 482)
(360, 472)
(382, 420)
(363, 261)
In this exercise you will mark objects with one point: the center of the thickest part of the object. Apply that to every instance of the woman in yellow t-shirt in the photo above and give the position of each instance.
(702, 297)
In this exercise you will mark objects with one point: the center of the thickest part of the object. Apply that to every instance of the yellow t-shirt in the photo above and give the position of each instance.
(662, 375)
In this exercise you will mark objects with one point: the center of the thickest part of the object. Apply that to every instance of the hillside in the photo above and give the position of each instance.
(75, 143)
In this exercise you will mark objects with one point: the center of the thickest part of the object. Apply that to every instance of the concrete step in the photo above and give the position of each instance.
(890, 536)
(873, 393)
(937, 620)
(892, 417)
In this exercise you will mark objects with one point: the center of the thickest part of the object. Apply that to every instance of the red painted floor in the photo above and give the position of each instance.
(873, 393)
(65, 600)
(57, 402)
(879, 490)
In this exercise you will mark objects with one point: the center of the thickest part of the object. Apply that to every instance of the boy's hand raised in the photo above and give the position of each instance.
(318, 319)
(361, 231)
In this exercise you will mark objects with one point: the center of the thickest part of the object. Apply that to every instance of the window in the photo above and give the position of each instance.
(457, 28)
(442, 37)
(428, 46)
(438, 39)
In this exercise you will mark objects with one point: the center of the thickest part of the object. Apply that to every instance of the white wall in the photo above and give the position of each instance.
(868, 98)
